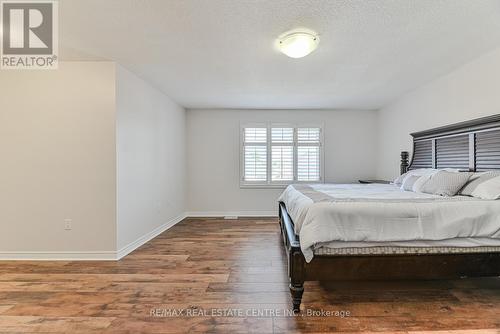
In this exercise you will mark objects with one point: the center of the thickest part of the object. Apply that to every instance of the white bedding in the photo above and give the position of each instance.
(330, 214)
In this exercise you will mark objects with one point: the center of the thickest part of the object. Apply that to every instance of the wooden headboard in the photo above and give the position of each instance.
(473, 145)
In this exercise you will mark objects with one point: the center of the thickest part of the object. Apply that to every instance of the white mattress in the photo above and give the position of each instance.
(376, 215)
(455, 245)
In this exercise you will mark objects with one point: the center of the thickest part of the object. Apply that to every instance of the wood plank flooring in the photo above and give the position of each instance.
(215, 265)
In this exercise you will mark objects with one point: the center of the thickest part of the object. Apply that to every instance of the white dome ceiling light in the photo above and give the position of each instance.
(298, 43)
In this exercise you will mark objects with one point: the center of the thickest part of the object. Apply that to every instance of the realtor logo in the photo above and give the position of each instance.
(29, 34)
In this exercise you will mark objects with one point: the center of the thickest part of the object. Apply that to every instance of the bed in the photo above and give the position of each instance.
(380, 232)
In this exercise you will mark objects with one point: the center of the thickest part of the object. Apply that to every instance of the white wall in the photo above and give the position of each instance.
(469, 92)
(57, 159)
(213, 155)
(150, 158)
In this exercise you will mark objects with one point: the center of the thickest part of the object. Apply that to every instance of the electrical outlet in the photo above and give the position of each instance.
(68, 224)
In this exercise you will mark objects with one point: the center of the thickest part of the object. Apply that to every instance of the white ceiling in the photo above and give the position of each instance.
(220, 54)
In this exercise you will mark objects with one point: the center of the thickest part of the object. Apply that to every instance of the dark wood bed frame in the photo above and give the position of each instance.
(473, 146)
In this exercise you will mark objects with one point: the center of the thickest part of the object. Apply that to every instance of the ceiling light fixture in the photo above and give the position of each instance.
(298, 43)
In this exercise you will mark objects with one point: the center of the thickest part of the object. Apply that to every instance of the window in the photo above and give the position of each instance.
(255, 155)
(308, 154)
(277, 155)
(281, 154)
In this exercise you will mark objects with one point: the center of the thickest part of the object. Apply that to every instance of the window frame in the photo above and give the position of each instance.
(280, 184)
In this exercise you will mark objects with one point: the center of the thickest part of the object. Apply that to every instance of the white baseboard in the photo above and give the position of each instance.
(148, 236)
(116, 255)
(210, 214)
(90, 256)
(58, 256)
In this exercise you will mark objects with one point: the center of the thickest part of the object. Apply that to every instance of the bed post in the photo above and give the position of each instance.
(296, 260)
(297, 277)
(404, 162)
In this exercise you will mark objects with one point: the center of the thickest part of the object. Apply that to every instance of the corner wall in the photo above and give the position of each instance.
(151, 161)
(57, 153)
(93, 143)
(469, 92)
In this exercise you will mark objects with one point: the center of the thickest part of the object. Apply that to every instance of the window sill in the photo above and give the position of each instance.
(263, 186)
(274, 186)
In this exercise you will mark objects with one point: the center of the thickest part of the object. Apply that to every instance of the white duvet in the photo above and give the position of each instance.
(325, 213)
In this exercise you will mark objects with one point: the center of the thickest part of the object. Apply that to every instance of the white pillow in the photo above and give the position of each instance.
(476, 180)
(422, 171)
(489, 189)
(399, 180)
(409, 181)
(446, 183)
(455, 170)
(420, 183)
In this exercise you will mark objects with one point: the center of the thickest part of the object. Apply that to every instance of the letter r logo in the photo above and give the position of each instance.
(28, 28)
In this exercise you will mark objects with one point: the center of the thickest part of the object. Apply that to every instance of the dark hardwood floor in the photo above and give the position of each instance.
(208, 265)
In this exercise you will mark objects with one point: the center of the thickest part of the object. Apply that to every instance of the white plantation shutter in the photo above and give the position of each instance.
(308, 135)
(308, 154)
(282, 135)
(282, 163)
(307, 163)
(282, 154)
(256, 135)
(255, 163)
(255, 154)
